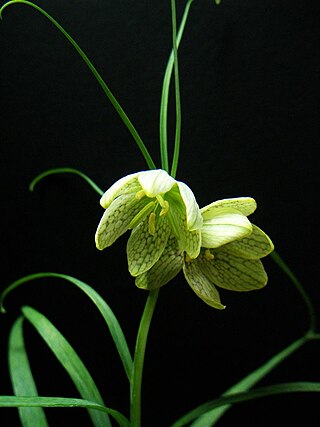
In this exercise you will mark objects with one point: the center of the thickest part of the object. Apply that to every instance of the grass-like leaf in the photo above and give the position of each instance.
(165, 93)
(70, 362)
(294, 387)
(61, 402)
(48, 172)
(21, 377)
(98, 77)
(103, 307)
(211, 414)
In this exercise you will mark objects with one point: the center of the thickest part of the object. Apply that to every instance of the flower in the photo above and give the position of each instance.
(229, 257)
(155, 206)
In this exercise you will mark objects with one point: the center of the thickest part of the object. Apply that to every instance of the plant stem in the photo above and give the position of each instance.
(136, 380)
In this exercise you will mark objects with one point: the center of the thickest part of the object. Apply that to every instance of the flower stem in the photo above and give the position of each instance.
(136, 380)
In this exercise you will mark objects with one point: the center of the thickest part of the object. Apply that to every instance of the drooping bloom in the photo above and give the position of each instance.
(155, 206)
(229, 257)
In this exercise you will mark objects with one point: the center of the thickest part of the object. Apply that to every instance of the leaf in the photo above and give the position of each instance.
(48, 172)
(294, 387)
(21, 377)
(70, 362)
(98, 77)
(165, 92)
(245, 384)
(103, 307)
(61, 402)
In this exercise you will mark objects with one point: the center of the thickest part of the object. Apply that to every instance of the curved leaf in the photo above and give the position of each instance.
(98, 77)
(245, 384)
(70, 361)
(103, 307)
(48, 172)
(294, 387)
(61, 402)
(165, 93)
(21, 377)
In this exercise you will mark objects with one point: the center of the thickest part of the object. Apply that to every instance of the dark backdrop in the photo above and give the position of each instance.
(250, 97)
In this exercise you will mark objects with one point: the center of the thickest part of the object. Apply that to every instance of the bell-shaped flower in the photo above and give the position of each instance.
(155, 206)
(229, 257)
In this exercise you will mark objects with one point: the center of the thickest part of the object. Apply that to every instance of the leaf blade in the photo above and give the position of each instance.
(53, 171)
(21, 377)
(61, 402)
(106, 312)
(70, 361)
(276, 389)
(245, 383)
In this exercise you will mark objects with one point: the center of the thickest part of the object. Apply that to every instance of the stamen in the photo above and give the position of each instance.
(152, 224)
(188, 258)
(140, 194)
(208, 255)
(164, 204)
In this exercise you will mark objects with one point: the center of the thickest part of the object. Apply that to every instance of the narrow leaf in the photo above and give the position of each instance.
(294, 387)
(61, 402)
(102, 306)
(21, 377)
(48, 172)
(98, 77)
(246, 383)
(165, 93)
(70, 362)
(307, 300)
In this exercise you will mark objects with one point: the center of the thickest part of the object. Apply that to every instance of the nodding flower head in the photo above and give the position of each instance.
(155, 207)
(229, 257)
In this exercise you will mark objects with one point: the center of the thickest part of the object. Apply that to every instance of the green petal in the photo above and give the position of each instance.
(154, 182)
(164, 270)
(255, 246)
(116, 219)
(189, 241)
(125, 185)
(230, 272)
(245, 205)
(201, 285)
(194, 218)
(225, 226)
(144, 249)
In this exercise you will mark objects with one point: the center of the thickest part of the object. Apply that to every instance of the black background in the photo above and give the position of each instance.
(250, 98)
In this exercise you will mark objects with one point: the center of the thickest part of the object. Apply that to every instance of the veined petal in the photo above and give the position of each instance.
(154, 182)
(201, 285)
(189, 241)
(194, 218)
(233, 273)
(116, 219)
(144, 249)
(255, 246)
(164, 270)
(125, 185)
(245, 205)
(225, 226)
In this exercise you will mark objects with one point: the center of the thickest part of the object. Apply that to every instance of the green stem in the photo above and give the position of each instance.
(285, 268)
(177, 91)
(98, 77)
(136, 380)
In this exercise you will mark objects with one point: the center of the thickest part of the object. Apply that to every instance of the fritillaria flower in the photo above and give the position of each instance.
(156, 207)
(229, 257)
